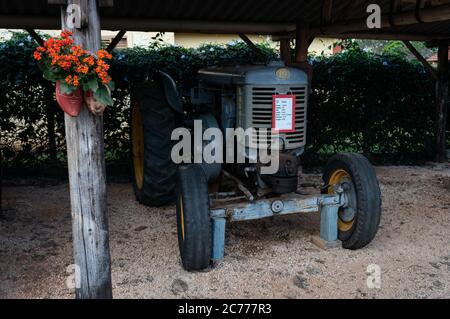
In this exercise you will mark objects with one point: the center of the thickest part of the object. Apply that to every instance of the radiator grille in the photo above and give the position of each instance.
(262, 114)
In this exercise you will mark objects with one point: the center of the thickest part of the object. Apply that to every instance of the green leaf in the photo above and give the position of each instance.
(91, 85)
(102, 95)
(49, 75)
(111, 85)
(65, 88)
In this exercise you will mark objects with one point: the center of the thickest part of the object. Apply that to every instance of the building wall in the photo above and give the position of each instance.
(192, 40)
(133, 38)
(322, 46)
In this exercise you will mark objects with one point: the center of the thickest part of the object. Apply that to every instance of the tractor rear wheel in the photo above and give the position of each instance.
(152, 123)
(193, 220)
(357, 222)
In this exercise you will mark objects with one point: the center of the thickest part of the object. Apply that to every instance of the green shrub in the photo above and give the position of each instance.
(381, 105)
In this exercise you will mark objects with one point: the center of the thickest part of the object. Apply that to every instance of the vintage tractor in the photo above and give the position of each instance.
(263, 97)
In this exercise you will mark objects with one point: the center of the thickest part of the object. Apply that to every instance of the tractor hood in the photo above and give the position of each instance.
(274, 73)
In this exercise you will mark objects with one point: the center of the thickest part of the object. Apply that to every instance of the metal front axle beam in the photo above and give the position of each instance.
(327, 205)
(278, 206)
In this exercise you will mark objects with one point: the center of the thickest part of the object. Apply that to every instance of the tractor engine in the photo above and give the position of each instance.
(245, 97)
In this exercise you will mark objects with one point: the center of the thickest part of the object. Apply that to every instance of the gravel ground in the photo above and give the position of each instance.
(271, 258)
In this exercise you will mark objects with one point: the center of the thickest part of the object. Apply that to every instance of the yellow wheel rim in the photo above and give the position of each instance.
(137, 138)
(182, 217)
(336, 178)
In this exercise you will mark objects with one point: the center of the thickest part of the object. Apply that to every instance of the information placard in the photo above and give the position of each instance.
(283, 113)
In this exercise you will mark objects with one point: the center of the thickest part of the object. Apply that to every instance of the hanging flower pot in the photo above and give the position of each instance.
(96, 107)
(69, 103)
(75, 71)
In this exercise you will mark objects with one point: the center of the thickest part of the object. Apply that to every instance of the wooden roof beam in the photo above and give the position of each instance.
(116, 40)
(327, 7)
(427, 14)
(373, 36)
(422, 60)
(259, 55)
(142, 24)
(35, 36)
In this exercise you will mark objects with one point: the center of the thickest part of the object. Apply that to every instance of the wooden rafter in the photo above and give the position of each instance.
(252, 47)
(374, 36)
(350, 8)
(116, 40)
(327, 7)
(422, 60)
(35, 36)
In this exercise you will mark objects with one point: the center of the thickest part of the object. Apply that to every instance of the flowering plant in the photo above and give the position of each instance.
(75, 68)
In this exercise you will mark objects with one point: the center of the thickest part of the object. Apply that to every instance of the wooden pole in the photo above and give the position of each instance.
(285, 51)
(85, 156)
(442, 103)
(50, 115)
(303, 40)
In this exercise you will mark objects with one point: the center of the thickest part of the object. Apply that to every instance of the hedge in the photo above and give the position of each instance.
(377, 104)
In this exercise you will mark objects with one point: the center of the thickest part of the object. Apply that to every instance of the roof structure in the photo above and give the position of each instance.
(401, 19)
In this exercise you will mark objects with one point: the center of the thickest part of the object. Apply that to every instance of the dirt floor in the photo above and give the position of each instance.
(272, 258)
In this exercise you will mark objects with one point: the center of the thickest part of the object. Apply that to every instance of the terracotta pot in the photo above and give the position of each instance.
(69, 103)
(94, 106)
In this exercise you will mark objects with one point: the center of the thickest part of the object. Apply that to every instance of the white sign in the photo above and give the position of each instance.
(283, 113)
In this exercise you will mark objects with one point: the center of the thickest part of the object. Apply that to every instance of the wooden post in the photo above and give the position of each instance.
(50, 115)
(85, 150)
(441, 102)
(285, 51)
(303, 40)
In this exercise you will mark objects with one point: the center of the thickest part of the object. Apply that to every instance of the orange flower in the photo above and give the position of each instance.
(83, 69)
(66, 34)
(103, 54)
(89, 60)
(37, 55)
(77, 64)
(77, 51)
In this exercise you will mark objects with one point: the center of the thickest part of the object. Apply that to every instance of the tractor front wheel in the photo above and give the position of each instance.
(358, 221)
(193, 220)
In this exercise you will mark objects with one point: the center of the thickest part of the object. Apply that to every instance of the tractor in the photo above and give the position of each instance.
(269, 98)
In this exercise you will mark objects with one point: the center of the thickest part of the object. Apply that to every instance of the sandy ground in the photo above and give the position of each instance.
(272, 258)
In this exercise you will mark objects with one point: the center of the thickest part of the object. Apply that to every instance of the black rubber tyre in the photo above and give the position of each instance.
(193, 220)
(152, 123)
(362, 185)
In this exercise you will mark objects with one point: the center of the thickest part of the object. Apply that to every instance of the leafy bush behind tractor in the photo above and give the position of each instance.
(382, 105)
